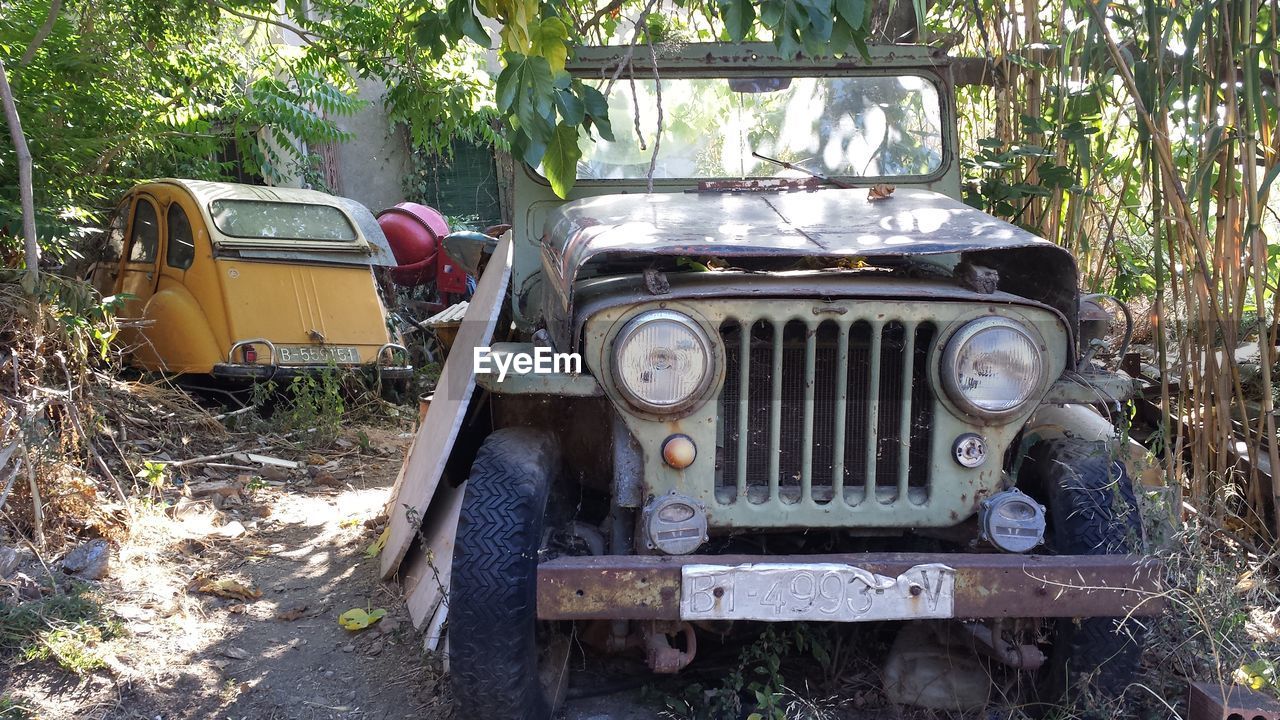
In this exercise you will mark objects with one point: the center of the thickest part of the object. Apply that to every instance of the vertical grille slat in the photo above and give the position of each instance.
(743, 405)
(775, 410)
(872, 447)
(841, 408)
(904, 424)
(810, 379)
(825, 411)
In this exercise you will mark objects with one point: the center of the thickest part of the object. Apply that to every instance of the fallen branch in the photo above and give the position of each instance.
(234, 413)
(97, 459)
(37, 511)
(1266, 558)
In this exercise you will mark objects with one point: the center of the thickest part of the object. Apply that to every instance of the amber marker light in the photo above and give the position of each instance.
(678, 451)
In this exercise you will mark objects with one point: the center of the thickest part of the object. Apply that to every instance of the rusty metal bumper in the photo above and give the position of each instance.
(648, 587)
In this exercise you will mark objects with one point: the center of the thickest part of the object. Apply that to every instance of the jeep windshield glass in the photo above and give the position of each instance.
(272, 220)
(884, 126)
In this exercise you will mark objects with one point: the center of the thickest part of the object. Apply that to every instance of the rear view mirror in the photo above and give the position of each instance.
(469, 249)
(759, 85)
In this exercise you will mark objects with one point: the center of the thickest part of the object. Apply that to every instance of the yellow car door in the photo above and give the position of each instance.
(106, 271)
(138, 275)
(138, 271)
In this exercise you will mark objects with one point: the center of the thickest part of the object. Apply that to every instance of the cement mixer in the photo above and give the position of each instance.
(416, 233)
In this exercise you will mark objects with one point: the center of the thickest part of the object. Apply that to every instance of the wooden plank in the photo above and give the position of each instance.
(435, 631)
(430, 570)
(395, 487)
(444, 418)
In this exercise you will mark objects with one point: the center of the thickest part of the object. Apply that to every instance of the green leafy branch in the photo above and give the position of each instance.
(547, 113)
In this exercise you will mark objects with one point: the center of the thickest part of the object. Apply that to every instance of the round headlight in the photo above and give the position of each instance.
(662, 361)
(992, 367)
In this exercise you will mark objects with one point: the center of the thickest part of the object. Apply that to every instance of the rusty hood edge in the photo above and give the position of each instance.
(824, 223)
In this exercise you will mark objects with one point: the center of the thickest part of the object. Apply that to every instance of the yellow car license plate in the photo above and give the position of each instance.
(317, 355)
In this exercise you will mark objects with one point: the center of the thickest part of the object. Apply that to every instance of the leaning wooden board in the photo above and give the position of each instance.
(438, 431)
(426, 581)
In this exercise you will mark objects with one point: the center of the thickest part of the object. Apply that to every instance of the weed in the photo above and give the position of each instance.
(757, 676)
(231, 690)
(154, 474)
(10, 709)
(74, 647)
(65, 628)
(427, 376)
(316, 406)
(316, 401)
(1221, 623)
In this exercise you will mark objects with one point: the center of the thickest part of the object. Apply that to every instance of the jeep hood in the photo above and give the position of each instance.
(824, 224)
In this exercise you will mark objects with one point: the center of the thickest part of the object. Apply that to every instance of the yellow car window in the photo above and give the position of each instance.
(272, 220)
(146, 233)
(181, 251)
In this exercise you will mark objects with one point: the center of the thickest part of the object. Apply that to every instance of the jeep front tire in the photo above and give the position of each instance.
(1092, 510)
(499, 666)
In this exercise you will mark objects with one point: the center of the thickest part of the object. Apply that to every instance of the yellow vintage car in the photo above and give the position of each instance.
(245, 282)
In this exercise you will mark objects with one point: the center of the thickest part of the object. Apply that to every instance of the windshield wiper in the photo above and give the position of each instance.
(810, 173)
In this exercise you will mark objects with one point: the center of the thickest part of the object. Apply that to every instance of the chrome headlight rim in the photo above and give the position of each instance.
(702, 390)
(966, 331)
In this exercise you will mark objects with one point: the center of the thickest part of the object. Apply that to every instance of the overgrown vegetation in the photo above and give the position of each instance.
(757, 682)
(111, 93)
(65, 628)
(1223, 623)
(311, 410)
(1144, 137)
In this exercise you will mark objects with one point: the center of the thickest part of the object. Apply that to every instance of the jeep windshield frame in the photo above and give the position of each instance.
(761, 62)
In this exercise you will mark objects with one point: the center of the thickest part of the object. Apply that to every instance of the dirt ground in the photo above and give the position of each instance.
(191, 654)
(187, 653)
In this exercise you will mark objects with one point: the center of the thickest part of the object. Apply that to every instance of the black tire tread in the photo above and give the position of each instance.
(493, 643)
(1093, 511)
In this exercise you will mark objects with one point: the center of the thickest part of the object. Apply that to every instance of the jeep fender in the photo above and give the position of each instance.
(1050, 422)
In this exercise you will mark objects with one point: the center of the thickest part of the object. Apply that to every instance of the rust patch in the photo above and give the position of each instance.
(987, 585)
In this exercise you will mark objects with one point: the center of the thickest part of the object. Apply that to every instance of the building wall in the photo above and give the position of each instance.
(372, 166)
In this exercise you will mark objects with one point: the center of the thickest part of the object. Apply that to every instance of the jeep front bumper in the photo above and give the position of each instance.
(847, 587)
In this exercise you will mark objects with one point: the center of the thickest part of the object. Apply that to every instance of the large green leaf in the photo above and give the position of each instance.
(570, 106)
(852, 11)
(549, 38)
(465, 22)
(597, 110)
(560, 164)
(739, 17)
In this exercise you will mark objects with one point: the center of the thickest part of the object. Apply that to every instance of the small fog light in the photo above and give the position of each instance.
(675, 524)
(1012, 521)
(678, 451)
(970, 450)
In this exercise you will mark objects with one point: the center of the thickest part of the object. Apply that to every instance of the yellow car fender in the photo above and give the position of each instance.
(178, 332)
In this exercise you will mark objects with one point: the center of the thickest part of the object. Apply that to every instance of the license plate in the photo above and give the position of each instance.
(317, 354)
(775, 592)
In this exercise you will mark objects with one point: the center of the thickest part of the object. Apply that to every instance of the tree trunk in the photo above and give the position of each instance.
(25, 190)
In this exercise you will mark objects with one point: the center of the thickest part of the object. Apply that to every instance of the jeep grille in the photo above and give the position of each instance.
(818, 411)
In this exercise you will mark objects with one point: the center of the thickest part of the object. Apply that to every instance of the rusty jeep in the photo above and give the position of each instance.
(815, 386)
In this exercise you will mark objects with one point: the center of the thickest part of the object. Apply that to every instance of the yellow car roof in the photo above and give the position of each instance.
(362, 222)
